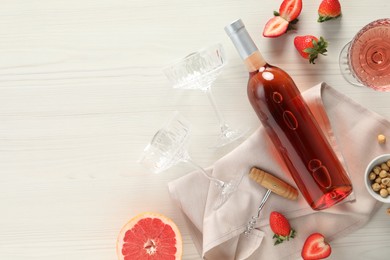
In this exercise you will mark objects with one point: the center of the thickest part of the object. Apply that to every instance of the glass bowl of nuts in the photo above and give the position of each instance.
(377, 178)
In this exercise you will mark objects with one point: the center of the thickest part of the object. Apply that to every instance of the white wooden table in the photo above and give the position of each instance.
(82, 92)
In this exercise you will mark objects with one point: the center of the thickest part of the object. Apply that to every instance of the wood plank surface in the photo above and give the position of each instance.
(82, 92)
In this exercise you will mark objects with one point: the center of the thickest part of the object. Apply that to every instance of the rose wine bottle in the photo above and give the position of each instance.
(289, 123)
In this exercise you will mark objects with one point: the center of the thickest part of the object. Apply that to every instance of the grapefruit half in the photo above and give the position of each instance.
(149, 236)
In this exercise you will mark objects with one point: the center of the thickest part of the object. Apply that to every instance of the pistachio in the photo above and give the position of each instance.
(383, 174)
(381, 139)
(384, 167)
(386, 181)
(384, 193)
(376, 186)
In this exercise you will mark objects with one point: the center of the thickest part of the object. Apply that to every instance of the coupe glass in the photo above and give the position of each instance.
(169, 146)
(365, 61)
(199, 70)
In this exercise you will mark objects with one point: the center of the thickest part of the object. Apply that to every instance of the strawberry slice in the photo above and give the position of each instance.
(290, 9)
(284, 20)
(315, 247)
(275, 27)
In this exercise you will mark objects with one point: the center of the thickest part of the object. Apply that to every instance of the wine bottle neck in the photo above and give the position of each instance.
(245, 45)
(254, 61)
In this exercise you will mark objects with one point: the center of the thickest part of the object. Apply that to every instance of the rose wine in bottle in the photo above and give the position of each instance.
(289, 123)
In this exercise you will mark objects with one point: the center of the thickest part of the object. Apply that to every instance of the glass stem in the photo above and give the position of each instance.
(195, 165)
(222, 122)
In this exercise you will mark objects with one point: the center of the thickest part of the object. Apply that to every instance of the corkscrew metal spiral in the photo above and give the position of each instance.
(273, 184)
(251, 224)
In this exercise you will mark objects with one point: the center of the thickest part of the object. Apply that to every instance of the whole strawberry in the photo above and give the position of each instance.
(309, 46)
(281, 227)
(329, 9)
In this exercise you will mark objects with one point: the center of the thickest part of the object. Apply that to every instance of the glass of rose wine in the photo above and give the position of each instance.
(365, 61)
(199, 70)
(168, 147)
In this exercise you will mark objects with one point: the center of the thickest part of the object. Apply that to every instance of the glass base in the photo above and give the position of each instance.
(228, 136)
(226, 191)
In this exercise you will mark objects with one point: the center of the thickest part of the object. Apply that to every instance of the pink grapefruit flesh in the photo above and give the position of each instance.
(149, 236)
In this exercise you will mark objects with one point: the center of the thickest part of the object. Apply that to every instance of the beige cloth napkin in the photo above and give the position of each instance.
(218, 234)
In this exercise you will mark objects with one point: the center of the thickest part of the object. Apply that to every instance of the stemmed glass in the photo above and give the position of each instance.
(365, 61)
(199, 70)
(169, 146)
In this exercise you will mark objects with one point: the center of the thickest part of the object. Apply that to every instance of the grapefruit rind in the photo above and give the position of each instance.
(129, 225)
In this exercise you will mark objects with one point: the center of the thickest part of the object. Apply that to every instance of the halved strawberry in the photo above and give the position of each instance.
(290, 9)
(328, 9)
(284, 20)
(309, 46)
(315, 247)
(275, 27)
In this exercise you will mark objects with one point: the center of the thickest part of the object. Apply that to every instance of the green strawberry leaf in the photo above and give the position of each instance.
(280, 239)
(319, 47)
(322, 19)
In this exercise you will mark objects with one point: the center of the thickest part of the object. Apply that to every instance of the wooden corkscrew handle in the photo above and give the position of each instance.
(273, 183)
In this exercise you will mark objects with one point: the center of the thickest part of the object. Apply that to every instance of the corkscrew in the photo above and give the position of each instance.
(273, 184)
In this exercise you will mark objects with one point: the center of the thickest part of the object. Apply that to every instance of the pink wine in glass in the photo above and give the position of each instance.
(291, 126)
(369, 55)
